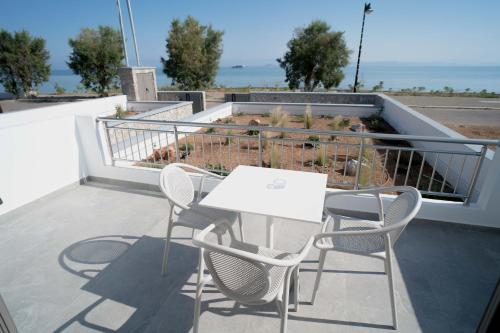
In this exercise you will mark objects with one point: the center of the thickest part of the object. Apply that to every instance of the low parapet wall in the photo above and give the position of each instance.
(306, 97)
(197, 97)
(295, 109)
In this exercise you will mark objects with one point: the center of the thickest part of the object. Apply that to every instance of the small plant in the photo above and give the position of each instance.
(229, 139)
(364, 175)
(210, 130)
(308, 117)
(375, 122)
(312, 139)
(321, 158)
(275, 158)
(279, 118)
(338, 124)
(253, 132)
(228, 120)
(217, 168)
(379, 86)
(265, 141)
(59, 89)
(266, 115)
(238, 114)
(120, 112)
(185, 147)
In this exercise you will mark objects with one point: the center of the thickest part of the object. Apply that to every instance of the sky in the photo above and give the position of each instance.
(256, 31)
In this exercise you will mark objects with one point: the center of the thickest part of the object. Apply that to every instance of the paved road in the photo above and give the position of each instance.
(454, 110)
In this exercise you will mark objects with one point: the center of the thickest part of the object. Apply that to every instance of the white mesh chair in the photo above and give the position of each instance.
(365, 237)
(177, 186)
(247, 273)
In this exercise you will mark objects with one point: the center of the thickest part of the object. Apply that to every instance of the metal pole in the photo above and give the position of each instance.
(122, 31)
(475, 175)
(359, 53)
(360, 164)
(133, 33)
(260, 148)
(177, 156)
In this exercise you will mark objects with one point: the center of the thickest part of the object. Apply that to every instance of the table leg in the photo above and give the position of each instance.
(270, 232)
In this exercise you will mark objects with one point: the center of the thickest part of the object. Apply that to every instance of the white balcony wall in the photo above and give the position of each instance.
(408, 121)
(40, 150)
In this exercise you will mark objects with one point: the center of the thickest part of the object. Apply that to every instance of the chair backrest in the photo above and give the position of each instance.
(177, 186)
(401, 211)
(240, 279)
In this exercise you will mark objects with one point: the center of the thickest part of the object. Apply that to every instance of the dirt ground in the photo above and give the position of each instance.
(221, 150)
(477, 132)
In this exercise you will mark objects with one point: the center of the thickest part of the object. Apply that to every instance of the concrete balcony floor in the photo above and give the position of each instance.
(87, 259)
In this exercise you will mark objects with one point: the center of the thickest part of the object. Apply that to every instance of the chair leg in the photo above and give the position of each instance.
(219, 239)
(166, 249)
(240, 221)
(199, 292)
(284, 305)
(296, 290)
(322, 256)
(388, 261)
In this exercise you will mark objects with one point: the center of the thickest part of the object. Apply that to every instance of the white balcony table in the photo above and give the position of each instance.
(274, 193)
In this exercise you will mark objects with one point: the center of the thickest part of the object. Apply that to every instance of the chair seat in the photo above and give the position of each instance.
(372, 244)
(276, 273)
(200, 217)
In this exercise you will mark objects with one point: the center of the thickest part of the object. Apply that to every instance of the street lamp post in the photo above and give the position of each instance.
(122, 31)
(138, 60)
(367, 10)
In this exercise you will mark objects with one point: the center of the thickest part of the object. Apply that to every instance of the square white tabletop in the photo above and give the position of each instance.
(247, 189)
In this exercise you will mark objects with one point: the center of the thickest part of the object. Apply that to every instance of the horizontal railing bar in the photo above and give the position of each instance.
(421, 150)
(381, 136)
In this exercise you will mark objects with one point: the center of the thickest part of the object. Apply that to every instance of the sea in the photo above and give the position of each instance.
(394, 76)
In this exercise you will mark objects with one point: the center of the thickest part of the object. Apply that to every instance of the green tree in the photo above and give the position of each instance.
(23, 62)
(193, 53)
(96, 57)
(316, 55)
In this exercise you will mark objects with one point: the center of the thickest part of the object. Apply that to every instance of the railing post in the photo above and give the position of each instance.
(176, 136)
(360, 163)
(104, 125)
(475, 175)
(260, 149)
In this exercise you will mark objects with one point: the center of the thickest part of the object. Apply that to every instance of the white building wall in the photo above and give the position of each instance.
(40, 150)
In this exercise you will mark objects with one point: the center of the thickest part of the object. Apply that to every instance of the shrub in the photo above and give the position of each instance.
(229, 139)
(185, 147)
(375, 123)
(338, 124)
(210, 130)
(313, 138)
(217, 168)
(120, 112)
(321, 157)
(308, 117)
(275, 158)
(59, 89)
(279, 118)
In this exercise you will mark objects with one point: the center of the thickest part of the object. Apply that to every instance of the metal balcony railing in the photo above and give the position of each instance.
(438, 167)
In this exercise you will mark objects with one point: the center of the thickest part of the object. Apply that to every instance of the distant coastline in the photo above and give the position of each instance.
(395, 76)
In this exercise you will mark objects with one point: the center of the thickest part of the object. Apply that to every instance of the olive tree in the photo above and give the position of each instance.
(193, 54)
(316, 55)
(23, 62)
(96, 57)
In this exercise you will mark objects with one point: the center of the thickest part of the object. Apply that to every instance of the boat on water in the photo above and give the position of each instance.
(237, 66)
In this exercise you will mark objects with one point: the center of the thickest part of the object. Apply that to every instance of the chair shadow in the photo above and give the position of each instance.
(125, 272)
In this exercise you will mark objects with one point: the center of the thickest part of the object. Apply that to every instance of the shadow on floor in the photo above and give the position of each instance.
(124, 272)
